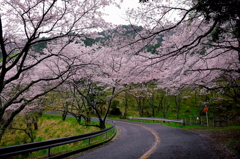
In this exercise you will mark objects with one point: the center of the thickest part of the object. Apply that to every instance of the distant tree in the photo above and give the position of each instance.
(140, 97)
(40, 46)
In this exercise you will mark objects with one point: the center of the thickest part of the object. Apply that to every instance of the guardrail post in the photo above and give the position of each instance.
(48, 152)
(89, 141)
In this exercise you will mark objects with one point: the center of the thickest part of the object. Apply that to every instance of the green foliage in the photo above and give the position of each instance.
(190, 106)
(40, 46)
(234, 146)
(39, 139)
(216, 33)
(115, 111)
(115, 103)
(153, 48)
(90, 42)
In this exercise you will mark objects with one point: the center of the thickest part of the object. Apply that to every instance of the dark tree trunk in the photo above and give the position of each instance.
(102, 124)
(153, 112)
(64, 115)
(79, 119)
(35, 126)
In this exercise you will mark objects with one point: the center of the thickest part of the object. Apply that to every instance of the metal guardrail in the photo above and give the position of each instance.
(160, 119)
(34, 146)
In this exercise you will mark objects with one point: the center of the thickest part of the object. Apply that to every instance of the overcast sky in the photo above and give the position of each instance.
(116, 15)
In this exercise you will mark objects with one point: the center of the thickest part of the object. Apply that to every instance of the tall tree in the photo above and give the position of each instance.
(26, 75)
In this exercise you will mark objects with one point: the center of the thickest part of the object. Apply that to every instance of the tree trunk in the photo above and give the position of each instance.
(88, 118)
(153, 112)
(79, 119)
(177, 102)
(102, 124)
(64, 115)
(140, 103)
(152, 105)
(35, 126)
(2, 131)
(124, 116)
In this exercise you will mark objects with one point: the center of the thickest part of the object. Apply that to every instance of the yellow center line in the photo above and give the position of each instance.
(155, 144)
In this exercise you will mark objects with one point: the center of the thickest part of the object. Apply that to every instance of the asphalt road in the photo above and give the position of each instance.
(153, 141)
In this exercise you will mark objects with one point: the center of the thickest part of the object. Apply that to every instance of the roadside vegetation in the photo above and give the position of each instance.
(51, 127)
(188, 105)
(53, 59)
(225, 139)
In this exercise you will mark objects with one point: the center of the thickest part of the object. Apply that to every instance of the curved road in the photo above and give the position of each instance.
(153, 141)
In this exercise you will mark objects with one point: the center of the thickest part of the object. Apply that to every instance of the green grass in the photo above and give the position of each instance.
(234, 146)
(52, 127)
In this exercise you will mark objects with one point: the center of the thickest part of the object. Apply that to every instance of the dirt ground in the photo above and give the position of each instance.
(221, 139)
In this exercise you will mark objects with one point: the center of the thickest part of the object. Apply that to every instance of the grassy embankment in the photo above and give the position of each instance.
(52, 127)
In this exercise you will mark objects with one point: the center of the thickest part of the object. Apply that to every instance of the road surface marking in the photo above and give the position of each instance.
(155, 144)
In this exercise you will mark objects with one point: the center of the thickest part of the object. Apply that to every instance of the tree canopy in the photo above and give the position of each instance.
(169, 44)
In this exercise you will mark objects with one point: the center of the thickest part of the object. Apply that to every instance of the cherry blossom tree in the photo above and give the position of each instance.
(201, 36)
(27, 75)
(176, 93)
(93, 94)
(68, 102)
(104, 77)
(201, 64)
(140, 96)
